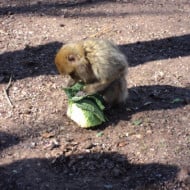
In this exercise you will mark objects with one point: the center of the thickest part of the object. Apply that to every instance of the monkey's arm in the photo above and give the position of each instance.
(96, 87)
(70, 82)
(105, 81)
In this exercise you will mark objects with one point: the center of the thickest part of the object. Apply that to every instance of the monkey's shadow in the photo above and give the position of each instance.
(146, 98)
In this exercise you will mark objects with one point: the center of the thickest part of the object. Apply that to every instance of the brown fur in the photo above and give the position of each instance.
(99, 64)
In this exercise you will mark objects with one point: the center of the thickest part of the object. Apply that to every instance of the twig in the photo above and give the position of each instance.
(5, 90)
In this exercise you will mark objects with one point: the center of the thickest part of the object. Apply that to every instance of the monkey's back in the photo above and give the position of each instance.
(105, 58)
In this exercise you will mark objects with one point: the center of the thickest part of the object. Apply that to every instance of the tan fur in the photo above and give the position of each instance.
(99, 64)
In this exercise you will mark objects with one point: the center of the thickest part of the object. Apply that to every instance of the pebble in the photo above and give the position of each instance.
(33, 144)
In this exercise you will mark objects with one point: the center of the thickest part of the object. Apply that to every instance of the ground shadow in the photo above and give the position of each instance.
(145, 51)
(71, 9)
(29, 62)
(46, 8)
(86, 171)
(35, 61)
(7, 140)
(146, 98)
(158, 97)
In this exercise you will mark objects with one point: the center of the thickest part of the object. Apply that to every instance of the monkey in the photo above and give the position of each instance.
(99, 64)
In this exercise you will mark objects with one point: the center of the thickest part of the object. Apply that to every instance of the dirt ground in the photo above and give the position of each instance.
(144, 145)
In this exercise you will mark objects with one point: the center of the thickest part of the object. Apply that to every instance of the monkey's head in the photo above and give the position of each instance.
(69, 57)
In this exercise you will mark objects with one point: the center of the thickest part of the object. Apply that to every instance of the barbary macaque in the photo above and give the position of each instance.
(99, 64)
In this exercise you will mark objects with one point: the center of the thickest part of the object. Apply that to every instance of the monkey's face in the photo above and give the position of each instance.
(65, 62)
(68, 59)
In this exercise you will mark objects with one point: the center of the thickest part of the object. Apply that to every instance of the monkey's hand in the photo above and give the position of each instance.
(80, 93)
(70, 82)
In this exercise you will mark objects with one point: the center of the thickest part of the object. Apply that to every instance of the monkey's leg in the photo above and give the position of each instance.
(116, 93)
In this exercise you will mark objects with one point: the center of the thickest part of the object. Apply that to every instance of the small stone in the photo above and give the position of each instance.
(32, 144)
(47, 135)
(149, 131)
(108, 186)
(122, 143)
(62, 25)
(54, 144)
(90, 146)
(14, 171)
(138, 136)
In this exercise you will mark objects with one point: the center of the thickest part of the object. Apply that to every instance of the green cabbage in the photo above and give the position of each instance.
(88, 110)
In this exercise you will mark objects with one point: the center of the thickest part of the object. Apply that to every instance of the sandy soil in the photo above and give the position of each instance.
(144, 145)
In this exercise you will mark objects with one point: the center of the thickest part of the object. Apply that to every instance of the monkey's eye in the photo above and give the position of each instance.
(71, 58)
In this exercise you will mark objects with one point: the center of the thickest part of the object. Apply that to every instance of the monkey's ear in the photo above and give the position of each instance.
(71, 58)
